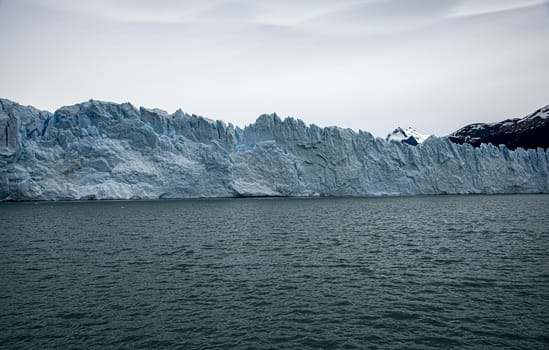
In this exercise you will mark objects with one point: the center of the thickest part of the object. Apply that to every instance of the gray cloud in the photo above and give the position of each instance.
(485, 7)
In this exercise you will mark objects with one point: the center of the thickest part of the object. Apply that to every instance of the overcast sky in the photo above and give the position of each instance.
(365, 64)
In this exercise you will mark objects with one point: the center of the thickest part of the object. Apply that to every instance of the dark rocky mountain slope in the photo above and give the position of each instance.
(529, 132)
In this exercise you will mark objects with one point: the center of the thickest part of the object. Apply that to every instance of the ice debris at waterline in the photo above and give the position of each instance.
(114, 151)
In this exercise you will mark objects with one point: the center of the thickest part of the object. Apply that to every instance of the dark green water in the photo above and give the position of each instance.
(418, 272)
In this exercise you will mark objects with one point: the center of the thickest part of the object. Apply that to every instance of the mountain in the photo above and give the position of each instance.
(529, 132)
(409, 135)
(101, 150)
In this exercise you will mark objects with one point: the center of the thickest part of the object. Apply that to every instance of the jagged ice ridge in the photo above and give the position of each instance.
(99, 150)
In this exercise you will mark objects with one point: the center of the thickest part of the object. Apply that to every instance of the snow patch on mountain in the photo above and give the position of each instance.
(542, 113)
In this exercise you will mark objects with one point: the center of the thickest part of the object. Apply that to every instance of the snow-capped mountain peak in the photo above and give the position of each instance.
(409, 135)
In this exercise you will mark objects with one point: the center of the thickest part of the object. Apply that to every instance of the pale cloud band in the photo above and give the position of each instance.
(371, 64)
(280, 12)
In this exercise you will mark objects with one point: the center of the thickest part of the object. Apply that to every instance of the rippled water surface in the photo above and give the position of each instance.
(416, 272)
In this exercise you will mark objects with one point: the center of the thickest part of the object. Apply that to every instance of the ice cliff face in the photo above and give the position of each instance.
(115, 151)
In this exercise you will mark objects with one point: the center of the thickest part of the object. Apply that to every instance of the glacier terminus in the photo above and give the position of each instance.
(102, 150)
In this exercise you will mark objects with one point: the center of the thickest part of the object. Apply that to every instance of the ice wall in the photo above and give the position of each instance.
(114, 151)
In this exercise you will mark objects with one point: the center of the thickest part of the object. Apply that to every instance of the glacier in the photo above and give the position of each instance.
(103, 150)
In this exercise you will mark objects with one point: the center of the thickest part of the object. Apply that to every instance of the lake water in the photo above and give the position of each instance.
(327, 273)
